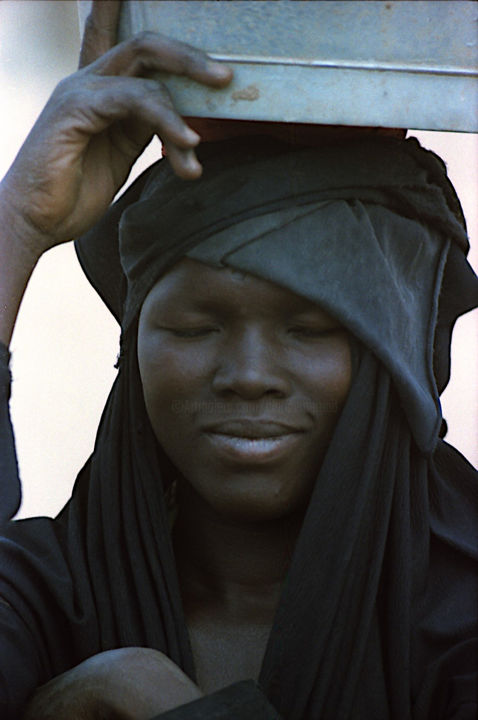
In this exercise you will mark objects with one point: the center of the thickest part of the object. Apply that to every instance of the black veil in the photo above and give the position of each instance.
(379, 607)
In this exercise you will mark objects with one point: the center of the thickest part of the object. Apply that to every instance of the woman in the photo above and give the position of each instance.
(268, 497)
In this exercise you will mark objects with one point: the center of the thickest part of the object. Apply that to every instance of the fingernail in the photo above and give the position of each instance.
(219, 68)
(192, 136)
(193, 164)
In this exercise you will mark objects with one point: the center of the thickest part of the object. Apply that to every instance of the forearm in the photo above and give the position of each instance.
(17, 262)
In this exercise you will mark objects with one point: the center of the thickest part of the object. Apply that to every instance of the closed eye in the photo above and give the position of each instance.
(186, 332)
(306, 331)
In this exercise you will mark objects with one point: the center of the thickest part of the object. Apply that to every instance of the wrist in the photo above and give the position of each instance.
(19, 253)
(20, 241)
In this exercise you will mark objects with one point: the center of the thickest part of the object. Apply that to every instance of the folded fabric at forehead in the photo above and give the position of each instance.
(250, 178)
(362, 227)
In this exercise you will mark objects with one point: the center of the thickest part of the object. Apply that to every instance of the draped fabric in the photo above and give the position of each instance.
(378, 613)
(376, 217)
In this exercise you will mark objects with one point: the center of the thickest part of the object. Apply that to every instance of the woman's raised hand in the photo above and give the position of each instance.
(83, 145)
(96, 124)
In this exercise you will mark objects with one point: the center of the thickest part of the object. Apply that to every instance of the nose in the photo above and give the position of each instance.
(250, 367)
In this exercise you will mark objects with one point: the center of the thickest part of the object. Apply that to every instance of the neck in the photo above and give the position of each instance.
(229, 560)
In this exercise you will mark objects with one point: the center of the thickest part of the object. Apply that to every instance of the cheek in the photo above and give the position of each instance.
(328, 374)
(173, 383)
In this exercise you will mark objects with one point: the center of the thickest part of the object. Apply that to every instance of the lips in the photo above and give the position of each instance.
(257, 441)
(255, 429)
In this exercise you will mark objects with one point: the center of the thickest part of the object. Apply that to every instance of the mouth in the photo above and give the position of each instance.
(253, 440)
(254, 429)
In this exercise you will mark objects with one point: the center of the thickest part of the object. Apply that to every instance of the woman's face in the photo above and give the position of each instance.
(243, 383)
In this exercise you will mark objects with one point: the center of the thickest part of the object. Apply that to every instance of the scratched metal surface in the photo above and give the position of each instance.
(395, 64)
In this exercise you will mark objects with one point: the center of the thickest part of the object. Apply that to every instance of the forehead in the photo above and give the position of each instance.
(191, 282)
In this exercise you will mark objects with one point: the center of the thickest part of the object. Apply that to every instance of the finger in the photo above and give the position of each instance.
(100, 30)
(157, 115)
(178, 139)
(149, 52)
(133, 109)
(183, 162)
(89, 104)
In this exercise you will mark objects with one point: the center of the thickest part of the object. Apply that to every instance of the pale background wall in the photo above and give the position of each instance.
(65, 343)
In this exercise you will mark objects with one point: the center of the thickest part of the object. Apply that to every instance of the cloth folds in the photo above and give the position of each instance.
(380, 203)
(378, 613)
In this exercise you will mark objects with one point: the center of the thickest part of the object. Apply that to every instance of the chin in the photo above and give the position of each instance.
(256, 500)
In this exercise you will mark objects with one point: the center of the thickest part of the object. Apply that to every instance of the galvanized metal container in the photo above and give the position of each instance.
(391, 64)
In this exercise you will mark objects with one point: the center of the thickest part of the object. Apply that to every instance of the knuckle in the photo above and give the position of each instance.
(65, 84)
(65, 94)
(73, 93)
(68, 90)
(194, 61)
(163, 94)
(141, 42)
(158, 92)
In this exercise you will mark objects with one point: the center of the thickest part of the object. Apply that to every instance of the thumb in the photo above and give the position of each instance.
(100, 30)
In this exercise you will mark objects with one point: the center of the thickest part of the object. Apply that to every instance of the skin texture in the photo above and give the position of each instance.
(124, 684)
(233, 538)
(225, 353)
(82, 147)
(218, 349)
(72, 164)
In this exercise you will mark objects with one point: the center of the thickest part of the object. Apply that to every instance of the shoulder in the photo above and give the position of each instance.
(46, 587)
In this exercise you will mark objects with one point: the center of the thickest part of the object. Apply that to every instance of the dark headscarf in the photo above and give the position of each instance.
(379, 606)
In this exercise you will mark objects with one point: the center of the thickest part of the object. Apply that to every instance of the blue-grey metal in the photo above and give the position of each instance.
(392, 64)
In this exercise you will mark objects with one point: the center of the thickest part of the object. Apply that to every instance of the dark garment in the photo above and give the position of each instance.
(241, 701)
(371, 230)
(69, 605)
(41, 635)
(378, 615)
